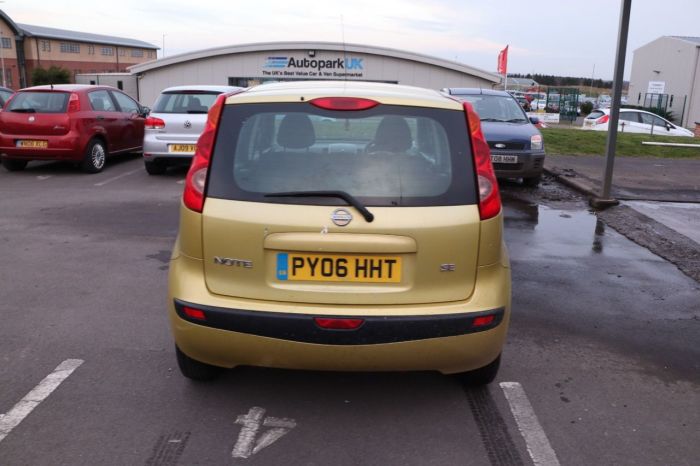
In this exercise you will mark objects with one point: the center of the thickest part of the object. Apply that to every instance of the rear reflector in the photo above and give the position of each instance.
(483, 321)
(338, 324)
(343, 103)
(194, 313)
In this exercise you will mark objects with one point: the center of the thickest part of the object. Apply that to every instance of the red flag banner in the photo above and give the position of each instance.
(503, 61)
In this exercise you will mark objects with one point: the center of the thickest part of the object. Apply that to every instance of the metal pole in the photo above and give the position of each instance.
(617, 93)
(590, 88)
(2, 59)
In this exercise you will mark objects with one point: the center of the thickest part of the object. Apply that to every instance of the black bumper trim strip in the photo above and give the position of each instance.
(302, 328)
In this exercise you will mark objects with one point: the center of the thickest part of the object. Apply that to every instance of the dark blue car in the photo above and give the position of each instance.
(517, 148)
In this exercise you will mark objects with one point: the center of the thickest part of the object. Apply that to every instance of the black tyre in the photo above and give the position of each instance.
(195, 370)
(532, 181)
(95, 157)
(155, 167)
(482, 376)
(14, 165)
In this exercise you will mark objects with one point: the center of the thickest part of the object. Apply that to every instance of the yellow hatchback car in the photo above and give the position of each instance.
(340, 226)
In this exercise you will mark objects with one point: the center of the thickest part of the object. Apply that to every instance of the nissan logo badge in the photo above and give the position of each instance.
(500, 146)
(341, 217)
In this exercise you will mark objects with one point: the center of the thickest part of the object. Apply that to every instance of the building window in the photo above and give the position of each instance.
(45, 45)
(107, 51)
(137, 53)
(6, 43)
(151, 54)
(70, 47)
(91, 49)
(122, 52)
(8, 77)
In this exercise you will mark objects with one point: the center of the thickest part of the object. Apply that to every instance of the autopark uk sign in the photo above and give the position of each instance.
(289, 66)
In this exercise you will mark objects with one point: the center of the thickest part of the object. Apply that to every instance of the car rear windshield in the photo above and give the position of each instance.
(385, 156)
(496, 108)
(39, 102)
(185, 102)
(595, 114)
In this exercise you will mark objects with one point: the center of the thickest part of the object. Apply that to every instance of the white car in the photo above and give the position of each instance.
(175, 123)
(634, 121)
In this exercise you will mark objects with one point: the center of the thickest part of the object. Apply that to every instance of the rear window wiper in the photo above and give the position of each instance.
(493, 119)
(197, 111)
(23, 110)
(517, 120)
(351, 200)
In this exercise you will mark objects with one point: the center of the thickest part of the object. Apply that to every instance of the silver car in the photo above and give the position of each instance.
(175, 123)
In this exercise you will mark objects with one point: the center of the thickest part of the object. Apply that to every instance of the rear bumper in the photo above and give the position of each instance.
(529, 164)
(154, 148)
(65, 147)
(437, 336)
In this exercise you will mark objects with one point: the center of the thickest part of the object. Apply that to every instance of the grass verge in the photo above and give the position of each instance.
(565, 141)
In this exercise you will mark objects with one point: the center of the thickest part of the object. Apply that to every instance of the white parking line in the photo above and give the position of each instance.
(43, 177)
(537, 443)
(182, 181)
(38, 394)
(109, 180)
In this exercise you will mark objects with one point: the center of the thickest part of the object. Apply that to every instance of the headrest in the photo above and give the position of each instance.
(296, 132)
(393, 134)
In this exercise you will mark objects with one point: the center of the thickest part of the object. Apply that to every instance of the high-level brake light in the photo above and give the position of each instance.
(344, 103)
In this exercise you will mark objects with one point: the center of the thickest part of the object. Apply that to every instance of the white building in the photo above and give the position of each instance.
(666, 73)
(250, 64)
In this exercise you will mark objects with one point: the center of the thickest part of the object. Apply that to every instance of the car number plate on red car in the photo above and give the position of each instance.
(338, 268)
(182, 147)
(32, 143)
(497, 158)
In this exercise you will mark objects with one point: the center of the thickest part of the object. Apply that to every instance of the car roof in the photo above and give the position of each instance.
(475, 91)
(67, 87)
(392, 94)
(198, 87)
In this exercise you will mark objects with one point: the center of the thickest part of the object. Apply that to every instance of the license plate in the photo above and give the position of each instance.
(338, 268)
(33, 143)
(182, 147)
(495, 158)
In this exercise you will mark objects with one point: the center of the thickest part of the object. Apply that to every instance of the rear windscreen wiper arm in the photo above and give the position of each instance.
(23, 110)
(351, 200)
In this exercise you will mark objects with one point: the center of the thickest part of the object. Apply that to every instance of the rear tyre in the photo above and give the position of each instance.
(155, 167)
(532, 181)
(195, 370)
(95, 157)
(482, 376)
(14, 165)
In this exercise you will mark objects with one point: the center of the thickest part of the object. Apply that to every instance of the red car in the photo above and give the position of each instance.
(72, 122)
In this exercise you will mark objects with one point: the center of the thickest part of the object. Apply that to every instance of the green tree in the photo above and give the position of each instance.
(54, 75)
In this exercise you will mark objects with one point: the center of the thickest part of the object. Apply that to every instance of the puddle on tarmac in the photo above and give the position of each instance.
(537, 231)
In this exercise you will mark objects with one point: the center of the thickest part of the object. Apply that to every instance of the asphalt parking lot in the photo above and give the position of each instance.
(602, 364)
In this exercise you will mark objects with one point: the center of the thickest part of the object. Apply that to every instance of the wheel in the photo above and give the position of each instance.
(14, 165)
(532, 181)
(95, 157)
(155, 167)
(482, 376)
(193, 369)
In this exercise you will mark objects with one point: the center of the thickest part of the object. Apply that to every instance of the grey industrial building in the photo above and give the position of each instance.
(250, 64)
(666, 73)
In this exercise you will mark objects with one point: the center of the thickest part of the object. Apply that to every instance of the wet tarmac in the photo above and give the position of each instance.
(572, 271)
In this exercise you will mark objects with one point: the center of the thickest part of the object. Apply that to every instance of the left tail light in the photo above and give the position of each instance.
(489, 197)
(196, 181)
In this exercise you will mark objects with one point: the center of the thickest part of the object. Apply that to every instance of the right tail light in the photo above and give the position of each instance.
(489, 197)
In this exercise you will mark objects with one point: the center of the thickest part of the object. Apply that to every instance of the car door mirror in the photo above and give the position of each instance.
(534, 120)
(144, 111)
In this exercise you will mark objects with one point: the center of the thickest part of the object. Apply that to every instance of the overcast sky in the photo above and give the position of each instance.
(562, 37)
